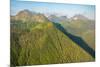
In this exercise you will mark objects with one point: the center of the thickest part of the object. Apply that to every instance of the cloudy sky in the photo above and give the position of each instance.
(68, 10)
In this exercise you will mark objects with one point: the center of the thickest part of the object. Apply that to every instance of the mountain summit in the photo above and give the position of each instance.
(27, 15)
(79, 17)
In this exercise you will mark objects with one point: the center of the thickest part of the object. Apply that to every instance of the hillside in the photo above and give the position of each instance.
(41, 42)
(82, 27)
(44, 44)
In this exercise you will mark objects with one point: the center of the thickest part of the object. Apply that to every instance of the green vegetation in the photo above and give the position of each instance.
(82, 28)
(35, 40)
(43, 43)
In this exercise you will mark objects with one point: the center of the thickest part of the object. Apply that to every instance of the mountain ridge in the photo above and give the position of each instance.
(42, 42)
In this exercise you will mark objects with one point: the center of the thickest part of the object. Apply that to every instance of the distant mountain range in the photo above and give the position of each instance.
(57, 19)
(26, 14)
(37, 39)
(79, 17)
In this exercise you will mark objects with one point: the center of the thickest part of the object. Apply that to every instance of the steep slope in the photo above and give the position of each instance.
(82, 27)
(78, 25)
(77, 39)
(43, 43)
